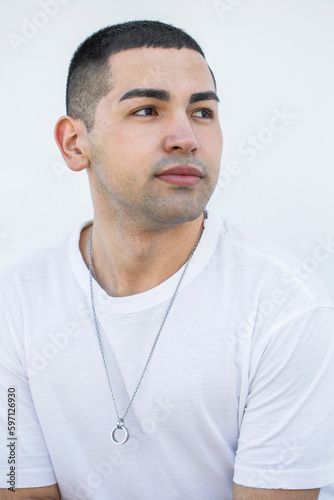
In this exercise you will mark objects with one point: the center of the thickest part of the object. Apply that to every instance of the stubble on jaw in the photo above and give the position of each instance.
(155, 205)
(151, 211)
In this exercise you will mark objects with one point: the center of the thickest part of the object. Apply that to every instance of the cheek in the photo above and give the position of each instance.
(133, 143)
(217, 138)
(212, 144)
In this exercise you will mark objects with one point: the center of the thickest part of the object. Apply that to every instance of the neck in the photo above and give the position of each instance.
(128, 262)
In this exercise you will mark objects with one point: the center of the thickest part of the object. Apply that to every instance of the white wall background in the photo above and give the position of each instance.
(267, 55)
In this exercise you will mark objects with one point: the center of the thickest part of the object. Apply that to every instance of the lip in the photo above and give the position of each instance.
(181, 175)
(182, 170)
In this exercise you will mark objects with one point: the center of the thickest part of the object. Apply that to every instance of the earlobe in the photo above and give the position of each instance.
(68, 133)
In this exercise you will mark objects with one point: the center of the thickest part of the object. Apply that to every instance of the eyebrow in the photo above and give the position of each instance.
(203, 96)
(163, 95)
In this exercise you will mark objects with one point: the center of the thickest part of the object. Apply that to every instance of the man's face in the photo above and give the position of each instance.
(155, 119)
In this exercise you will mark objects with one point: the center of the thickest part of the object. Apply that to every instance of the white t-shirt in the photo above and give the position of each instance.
(240, 385)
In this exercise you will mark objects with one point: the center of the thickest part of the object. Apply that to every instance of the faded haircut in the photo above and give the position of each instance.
(89, 76)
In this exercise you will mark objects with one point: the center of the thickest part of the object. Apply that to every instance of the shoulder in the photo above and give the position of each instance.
(268, 270)
(35, 262)
(253, 249)
(39, 267)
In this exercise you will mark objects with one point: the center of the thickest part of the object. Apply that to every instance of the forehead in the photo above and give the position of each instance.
(160, 68)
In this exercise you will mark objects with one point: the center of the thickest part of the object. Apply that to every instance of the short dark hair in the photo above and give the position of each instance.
(89, 77)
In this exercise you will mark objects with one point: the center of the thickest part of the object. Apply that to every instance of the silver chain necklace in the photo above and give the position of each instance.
(120, 420)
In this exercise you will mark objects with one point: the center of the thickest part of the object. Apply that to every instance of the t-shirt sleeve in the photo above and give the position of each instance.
(287, 432)
(24, 456)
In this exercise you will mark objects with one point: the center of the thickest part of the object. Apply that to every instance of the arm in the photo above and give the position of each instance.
(34, 465)
(244, 493)
(286, 435)
(45, 493)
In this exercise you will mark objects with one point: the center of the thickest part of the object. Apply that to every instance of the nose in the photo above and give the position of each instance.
(180, 136)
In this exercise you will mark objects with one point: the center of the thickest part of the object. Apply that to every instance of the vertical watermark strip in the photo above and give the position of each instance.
(11, 439)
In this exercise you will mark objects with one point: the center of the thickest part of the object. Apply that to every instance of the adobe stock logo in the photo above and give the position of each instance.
(30, 28)
(254, 144)
(226, 7)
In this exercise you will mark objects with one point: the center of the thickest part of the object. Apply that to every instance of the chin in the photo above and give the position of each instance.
(177, 214)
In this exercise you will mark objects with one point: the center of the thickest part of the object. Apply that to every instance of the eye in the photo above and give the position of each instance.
(146, 111)
(204, 113)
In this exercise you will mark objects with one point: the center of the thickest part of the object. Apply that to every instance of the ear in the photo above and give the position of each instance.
(71, 138)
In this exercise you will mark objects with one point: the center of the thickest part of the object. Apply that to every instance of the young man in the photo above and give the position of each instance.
(158, 351)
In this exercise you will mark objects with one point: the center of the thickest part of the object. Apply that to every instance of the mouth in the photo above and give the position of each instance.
(181, 175)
